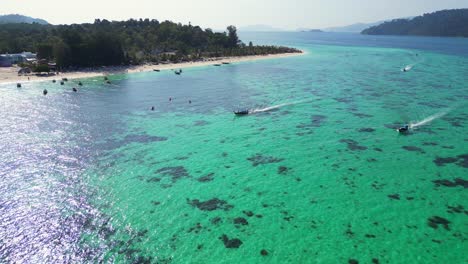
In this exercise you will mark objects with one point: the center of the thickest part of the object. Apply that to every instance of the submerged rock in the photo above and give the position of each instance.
(175, 172)
(210, 205)
(435, 221)
(460, 160)
(394, 196)
(366, 130)
(240, 221)
(353, 145)
(260, 159)
(231, 243)
(206, 178)
(447, 183)
(413, 148)
(283, 170)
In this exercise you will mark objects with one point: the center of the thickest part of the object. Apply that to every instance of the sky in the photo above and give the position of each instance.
(217, 14)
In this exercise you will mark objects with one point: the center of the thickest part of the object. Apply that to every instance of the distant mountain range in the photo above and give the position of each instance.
(354, 28)
(445, 23)
(259, 28)
(309, 30)
(8, 19)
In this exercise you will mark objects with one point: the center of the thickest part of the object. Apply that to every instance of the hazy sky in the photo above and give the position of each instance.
(217, 14)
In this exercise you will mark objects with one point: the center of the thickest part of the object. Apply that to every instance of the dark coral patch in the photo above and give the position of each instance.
(230, 243)
(176, 173)
(353, 145)
(454, 183)
(201, 123)
(344, 99)
(210, 205)
(459, 209)
(366, 130)
(442, 161)
(206, 178)
(238, 221)
(142, 138)
(283, 170)
(413, 148)
(216, 220)
(460, 160)
(435, 221)
(353, 261)
(263, 252)
(259, 159)
(394, 196)
(463, 160)
(196, 228)
(133, 138)
(316, 121)
(361, 115)
(248, 213)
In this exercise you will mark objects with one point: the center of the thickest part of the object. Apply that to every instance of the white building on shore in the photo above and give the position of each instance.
(7, 60)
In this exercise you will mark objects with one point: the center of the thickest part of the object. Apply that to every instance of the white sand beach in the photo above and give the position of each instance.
(10, 74)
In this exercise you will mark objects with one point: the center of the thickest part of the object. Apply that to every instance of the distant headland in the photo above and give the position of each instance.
(445, 23)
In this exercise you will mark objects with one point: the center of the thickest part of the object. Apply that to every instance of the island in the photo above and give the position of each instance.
(124, 43)
(445, 23)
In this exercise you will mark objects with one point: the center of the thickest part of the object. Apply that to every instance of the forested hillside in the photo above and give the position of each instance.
(446, 23)
(125, 42)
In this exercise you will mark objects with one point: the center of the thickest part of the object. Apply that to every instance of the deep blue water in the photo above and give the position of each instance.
(454, 46)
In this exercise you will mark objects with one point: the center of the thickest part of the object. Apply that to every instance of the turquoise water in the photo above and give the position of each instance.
(317, 175)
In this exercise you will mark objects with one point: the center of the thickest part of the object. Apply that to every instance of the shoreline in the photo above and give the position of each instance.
(9, 75)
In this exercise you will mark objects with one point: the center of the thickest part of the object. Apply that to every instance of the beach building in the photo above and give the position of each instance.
(6, 60)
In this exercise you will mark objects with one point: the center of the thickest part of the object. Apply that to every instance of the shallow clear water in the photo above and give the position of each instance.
(322, 178)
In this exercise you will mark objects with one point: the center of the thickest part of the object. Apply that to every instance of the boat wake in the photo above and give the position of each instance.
(428, 119)
(266, 109)
(408, 67)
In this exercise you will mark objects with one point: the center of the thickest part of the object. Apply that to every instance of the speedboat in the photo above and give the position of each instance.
(403, 129)
(241, 112)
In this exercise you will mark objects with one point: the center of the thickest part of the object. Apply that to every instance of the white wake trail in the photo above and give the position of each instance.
(429, 119)
(408, 67)
(266, 109)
